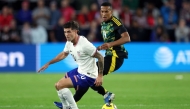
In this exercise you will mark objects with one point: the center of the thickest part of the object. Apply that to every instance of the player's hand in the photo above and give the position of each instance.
(99, 48)
(43, 68)
(99, 80)
(104, 46)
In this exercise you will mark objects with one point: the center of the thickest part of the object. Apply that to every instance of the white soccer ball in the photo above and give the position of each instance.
(112, 106)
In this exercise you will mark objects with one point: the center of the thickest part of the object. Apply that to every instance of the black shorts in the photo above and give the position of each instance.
(112, 63)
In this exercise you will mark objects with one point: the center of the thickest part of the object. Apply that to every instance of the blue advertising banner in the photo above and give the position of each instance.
(143, 57)
(17, 57)
(157, 57)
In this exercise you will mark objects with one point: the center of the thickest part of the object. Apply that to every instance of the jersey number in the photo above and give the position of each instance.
(82, 77)
(104, 34)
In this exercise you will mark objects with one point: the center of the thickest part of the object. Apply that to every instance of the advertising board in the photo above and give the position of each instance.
(143, 57)
(17, 57)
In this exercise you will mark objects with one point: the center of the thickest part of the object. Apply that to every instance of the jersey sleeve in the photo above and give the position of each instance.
(89, 48)
(119, 27)
(66, 48)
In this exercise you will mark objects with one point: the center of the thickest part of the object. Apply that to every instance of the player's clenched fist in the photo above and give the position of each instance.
(104, 46)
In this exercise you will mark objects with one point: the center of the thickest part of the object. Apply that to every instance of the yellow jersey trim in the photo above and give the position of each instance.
(116, 21)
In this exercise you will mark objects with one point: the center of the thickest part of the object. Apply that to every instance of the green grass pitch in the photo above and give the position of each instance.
(133, 91)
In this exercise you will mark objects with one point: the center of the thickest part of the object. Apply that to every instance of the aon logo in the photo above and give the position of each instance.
(11, 59)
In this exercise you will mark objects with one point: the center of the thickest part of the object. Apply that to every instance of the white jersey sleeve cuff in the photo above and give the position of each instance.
(94, 52)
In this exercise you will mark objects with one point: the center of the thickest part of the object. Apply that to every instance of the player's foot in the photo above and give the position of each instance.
(108, 98)
(58, 104)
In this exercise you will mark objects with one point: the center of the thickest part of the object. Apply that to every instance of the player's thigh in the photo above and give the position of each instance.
(107, 64)
(84, 81)
(119, 63)
(112, 63)
(64, 83)
(71, 73)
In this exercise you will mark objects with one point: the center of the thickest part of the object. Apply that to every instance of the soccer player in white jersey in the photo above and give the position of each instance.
(87, 74)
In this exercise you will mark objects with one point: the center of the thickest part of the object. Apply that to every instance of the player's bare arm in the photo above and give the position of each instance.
(58, 58)
(124, 39)
(100, 58)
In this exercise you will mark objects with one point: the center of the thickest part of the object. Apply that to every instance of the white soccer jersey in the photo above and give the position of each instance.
(83, 53)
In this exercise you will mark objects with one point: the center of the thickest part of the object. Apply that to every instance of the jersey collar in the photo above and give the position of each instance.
(77, 41)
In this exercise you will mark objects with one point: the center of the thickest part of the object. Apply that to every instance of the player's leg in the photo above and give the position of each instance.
(77, 96)
(109, 66)
(112, 63)
(65, 94)
(79, 92)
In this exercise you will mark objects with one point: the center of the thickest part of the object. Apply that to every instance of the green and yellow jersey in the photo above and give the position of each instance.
(111, 31)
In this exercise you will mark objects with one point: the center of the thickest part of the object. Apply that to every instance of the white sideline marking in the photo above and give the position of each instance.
(179, 77)
(8, 106)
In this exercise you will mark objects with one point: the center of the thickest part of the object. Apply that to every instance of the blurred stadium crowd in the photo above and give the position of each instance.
(41, 21)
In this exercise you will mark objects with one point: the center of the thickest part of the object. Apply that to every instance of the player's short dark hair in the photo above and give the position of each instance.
(71, 24)
(106, 4)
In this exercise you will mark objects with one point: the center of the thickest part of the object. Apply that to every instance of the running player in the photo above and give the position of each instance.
(86, 75)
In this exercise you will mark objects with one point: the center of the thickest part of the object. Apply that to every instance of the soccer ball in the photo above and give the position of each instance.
(112, 106)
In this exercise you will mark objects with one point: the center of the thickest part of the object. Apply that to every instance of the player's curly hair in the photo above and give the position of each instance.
(71, 24)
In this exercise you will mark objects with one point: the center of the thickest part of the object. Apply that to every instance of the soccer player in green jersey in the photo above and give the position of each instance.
(115, 35)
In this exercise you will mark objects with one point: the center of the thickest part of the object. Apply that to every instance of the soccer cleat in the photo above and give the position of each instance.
(108, 98)
(58, 104)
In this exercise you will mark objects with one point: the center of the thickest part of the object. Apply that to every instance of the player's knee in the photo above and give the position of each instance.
(56, 86)
(59, 86)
